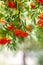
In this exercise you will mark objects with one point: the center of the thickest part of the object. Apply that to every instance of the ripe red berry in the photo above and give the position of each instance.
(11, 4)
(40, 1)
(40, 23)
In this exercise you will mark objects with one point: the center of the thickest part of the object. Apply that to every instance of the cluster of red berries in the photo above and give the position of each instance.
(4, 41)
(21, 33)
(40, 21)
(17, 32)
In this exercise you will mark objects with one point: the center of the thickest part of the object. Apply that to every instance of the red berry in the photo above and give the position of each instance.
(10, 27)
(40, 23)
(40, 1)
(11, 4)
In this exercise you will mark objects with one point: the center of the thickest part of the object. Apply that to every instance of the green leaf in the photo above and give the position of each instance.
(1, 15)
